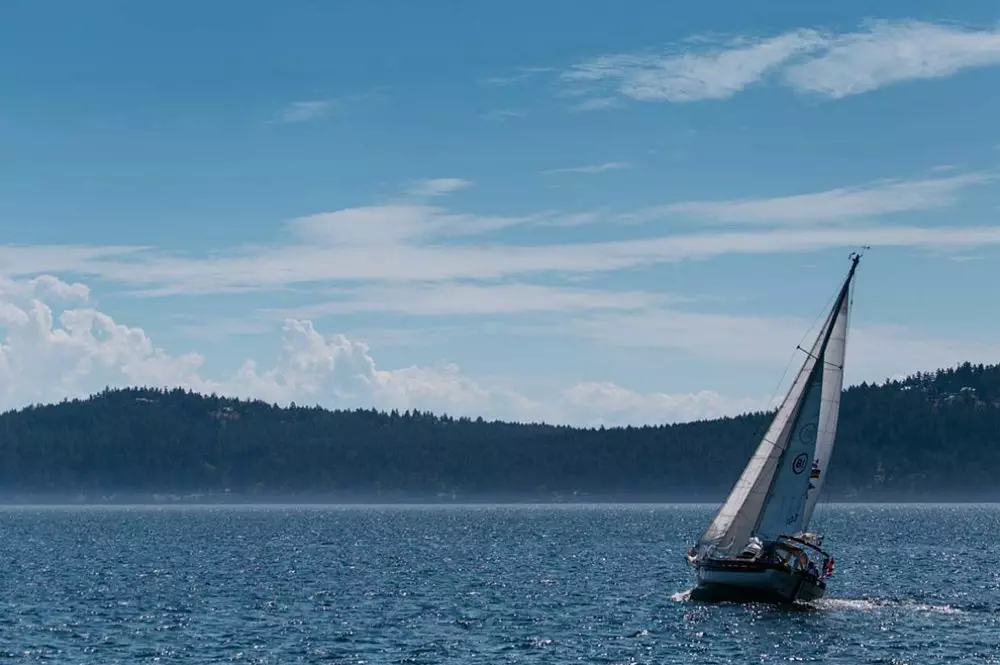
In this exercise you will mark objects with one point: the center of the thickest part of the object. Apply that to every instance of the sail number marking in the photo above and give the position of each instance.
(799, 463)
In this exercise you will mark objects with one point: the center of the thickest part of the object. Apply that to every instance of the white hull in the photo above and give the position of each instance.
(764, 584)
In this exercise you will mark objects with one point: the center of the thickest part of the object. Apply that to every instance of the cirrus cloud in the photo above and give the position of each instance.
(888, 53)
(413, 242)
(283, 265)
(821, 62)
(689, 76)
(833, 205)
(591, 168)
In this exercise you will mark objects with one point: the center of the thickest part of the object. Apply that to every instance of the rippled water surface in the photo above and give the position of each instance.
(563, 584)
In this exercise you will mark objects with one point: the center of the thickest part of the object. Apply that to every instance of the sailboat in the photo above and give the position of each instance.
(758, 547)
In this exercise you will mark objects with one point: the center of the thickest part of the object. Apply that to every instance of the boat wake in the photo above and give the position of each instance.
(876, 604)
(856, 605)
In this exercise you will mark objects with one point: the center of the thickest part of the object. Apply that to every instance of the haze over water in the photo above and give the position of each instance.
(489, 584)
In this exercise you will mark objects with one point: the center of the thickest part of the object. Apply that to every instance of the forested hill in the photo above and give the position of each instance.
(931, 436)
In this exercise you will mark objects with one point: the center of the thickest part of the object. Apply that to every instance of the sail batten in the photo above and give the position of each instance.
(777, 491)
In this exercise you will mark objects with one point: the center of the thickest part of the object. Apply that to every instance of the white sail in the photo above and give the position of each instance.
(773, 491)
(829, 410)
(735, 522)
(783, 511)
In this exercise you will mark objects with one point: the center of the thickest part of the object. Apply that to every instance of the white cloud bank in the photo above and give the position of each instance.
(818, 62)
(54, 345)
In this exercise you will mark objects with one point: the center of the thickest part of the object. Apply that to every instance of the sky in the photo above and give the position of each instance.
(573, 211)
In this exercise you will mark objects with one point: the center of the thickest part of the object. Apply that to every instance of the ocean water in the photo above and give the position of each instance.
(483, 584)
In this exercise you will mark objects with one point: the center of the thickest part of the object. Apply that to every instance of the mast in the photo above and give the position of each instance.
(770, 493)
(833, 386)
(784, 509)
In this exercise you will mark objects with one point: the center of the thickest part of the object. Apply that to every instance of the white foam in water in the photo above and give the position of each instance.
(872, 604)
(938, 609)
(856, 604)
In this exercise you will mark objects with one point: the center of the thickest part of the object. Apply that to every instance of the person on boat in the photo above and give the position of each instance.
(801, 561)
(828, 568)
(813, 570)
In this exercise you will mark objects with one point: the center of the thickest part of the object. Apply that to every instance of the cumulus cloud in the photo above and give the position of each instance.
(54, 345)
(621, 405)
(45, 356)
(44, 287)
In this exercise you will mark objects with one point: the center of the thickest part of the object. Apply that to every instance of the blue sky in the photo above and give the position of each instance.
(572, 211)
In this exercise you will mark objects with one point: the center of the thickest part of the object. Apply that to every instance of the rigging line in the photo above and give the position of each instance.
(826, 362)
(791, 359)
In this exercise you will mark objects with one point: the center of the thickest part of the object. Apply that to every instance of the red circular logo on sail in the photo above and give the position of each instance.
(799, 463)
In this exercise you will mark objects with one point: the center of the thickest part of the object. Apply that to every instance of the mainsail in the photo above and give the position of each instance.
(777, 492)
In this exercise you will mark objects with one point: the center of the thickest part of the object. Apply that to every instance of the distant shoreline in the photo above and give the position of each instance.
(928, 438)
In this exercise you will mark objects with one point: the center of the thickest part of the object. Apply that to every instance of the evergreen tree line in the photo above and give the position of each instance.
(926, 437)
